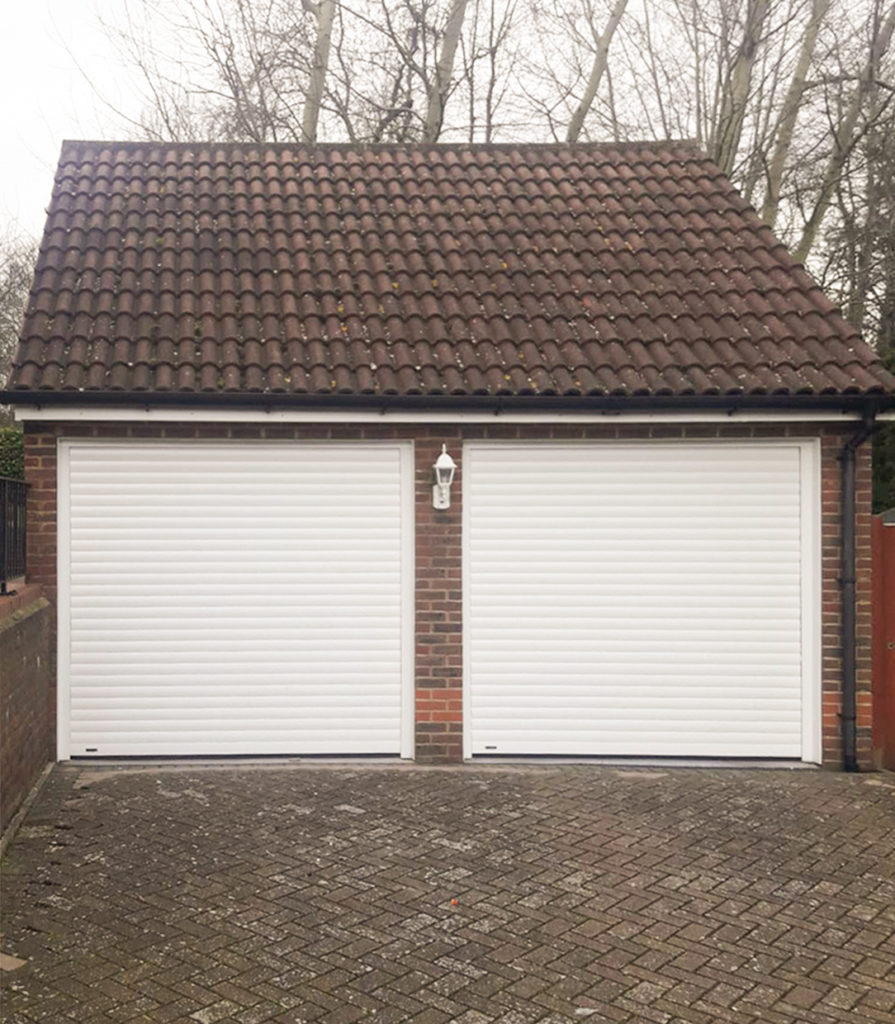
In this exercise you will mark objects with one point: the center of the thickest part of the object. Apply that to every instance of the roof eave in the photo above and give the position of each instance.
(878, 401)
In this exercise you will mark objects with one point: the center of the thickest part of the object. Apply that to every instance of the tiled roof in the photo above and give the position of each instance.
(627, 270)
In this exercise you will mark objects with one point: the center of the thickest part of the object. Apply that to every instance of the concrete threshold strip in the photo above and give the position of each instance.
(326, 761)
(99, 768)
(654, 762)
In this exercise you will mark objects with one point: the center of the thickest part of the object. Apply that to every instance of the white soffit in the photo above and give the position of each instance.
(215, 414)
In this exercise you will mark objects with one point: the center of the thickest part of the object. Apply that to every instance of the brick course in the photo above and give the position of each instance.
(438, 631)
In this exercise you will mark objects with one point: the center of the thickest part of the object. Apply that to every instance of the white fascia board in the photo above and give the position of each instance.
(213, 414)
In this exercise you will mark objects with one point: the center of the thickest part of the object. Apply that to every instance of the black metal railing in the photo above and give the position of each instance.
(12, 530)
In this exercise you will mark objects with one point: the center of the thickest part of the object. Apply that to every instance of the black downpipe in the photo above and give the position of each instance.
(847, 587)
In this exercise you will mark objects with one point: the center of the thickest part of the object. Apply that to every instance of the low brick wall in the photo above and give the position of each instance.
(26, 679)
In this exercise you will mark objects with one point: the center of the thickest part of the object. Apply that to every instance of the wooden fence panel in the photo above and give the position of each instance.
(883, 643)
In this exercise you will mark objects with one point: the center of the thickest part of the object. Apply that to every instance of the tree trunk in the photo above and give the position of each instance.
(845, 136)
(601, 58)
(735, 91)
(790, 112)
(444, 70)
(325, 12)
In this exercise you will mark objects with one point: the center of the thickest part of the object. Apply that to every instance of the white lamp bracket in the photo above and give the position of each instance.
(445, 467)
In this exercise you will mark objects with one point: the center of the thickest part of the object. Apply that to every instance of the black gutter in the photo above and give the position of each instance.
(847, 581)
(609, 404)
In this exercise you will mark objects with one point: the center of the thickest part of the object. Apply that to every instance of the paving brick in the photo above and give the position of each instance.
(584, 893)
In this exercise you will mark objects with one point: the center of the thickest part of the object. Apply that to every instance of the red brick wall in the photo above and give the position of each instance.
(831, 527)
(438, 546)
(439, 651)
(26, 675)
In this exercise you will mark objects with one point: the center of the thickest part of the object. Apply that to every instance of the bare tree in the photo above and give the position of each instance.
(444, 69)
(846, 132)
(229, 69)
(736, 85)
(563, 74)
(18, 253)
(789, 112)
(859, 244)
(371, 70)
(490, 48)
(598, 69)
(324, 11)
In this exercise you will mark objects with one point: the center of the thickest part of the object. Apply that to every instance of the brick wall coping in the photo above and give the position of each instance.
(20, 600)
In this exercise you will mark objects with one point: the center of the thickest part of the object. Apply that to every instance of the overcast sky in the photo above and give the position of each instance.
(47, 99)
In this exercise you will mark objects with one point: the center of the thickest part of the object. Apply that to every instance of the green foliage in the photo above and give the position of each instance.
(884, 458)
(884, 468)
(12, 454)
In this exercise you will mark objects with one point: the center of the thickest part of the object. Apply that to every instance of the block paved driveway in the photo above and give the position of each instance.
(316, 893)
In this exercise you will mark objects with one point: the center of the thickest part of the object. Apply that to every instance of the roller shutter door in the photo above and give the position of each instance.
(634, 599)
(235, 598)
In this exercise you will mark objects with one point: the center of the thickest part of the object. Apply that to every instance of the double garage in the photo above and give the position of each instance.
(642, 598)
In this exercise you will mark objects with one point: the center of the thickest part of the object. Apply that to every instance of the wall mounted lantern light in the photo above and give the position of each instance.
(445, 468)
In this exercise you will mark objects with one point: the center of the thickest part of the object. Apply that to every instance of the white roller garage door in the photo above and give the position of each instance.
(235, 598)
(644, 599)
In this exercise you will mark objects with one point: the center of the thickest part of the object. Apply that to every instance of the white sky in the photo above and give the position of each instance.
(47, 99)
